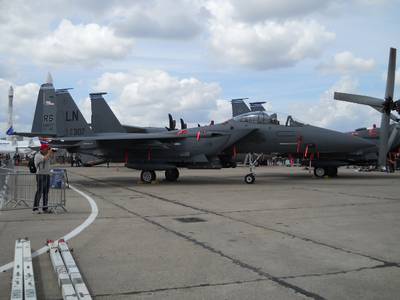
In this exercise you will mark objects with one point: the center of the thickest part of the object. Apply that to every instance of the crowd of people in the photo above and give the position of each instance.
(22, 158)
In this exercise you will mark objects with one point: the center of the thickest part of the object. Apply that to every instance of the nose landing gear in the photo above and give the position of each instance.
(249, 178)
(252, 160)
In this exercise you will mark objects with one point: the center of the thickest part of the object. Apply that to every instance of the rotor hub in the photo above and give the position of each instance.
(388, 105)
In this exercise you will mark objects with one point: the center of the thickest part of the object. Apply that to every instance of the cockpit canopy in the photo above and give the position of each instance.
(261, 117)
(258, 117)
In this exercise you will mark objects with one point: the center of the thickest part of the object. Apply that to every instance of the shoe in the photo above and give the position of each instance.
(45, 211)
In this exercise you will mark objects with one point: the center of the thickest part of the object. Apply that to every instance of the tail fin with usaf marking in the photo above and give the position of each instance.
(70, 121)
(57, 115)
(44, 120)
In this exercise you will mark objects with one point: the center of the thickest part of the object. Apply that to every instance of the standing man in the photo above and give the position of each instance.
(42, 164)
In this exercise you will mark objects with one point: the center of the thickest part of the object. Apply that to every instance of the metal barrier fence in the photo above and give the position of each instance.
(19, 188)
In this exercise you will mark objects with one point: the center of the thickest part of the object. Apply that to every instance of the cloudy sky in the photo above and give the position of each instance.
(190, 57)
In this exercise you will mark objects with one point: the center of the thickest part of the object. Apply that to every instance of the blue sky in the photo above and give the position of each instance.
(191, 57)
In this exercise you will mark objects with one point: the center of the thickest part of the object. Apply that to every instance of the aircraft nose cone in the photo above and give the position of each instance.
(356, 143)
(330, 141)
(343, 142)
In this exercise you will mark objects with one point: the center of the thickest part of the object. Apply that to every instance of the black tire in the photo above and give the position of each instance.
(147, 176)
(320, 172)
(332, 171)
(249, 178)
(171, 175)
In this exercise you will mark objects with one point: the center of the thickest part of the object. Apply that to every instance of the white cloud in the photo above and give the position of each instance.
(7, 68)
(28, 35)
(259, 10)
(346, 63)
(373, 2)
(146, 97)
(80, 44)
(18, 25)
(25, 97)
(222, 112)
(340, 115)
(269, 44)
(168, 19)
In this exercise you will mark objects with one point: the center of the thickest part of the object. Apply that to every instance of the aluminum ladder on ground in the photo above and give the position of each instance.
(69, 278)
(23, 282)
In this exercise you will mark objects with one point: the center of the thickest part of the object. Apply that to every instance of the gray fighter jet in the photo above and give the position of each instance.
(323, 149)
(388, 133)
(304, 149)
(58, 118)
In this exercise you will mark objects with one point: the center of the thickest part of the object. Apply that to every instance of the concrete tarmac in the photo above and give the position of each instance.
(211, 236)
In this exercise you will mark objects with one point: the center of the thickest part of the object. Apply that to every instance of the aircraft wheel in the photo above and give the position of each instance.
(249, 178)
(172, 174)
(332, 172)
(147, 176)
(319, 172)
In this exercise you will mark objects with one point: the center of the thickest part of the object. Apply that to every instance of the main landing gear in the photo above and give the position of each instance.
(252, 160)
(148, 176)
(171, 175)
(326, 171)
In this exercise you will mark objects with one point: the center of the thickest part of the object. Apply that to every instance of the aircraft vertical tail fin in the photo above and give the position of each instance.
(239, 107)
(257, 106)
(70, 121)
(103, 118)
(44, 120)
(56, 114)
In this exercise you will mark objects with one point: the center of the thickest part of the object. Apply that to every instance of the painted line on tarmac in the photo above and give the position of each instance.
(70, 235)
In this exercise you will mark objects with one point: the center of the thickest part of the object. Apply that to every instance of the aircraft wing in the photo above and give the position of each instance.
(132, 137)
(32, 134)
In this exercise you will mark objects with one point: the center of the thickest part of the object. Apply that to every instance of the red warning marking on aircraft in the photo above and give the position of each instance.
(299, 141)
(306, 152)
(180, 132)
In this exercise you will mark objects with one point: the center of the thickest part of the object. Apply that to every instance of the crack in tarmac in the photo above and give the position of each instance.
(180, 288)
(347, 194)
(386, 265)
(307, 207)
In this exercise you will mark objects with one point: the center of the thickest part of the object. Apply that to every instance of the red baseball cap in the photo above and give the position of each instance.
(44, 147)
